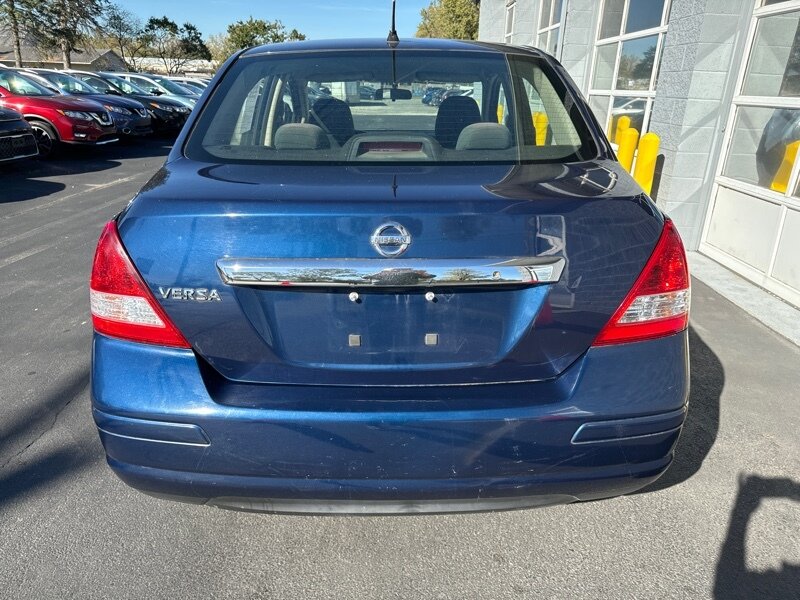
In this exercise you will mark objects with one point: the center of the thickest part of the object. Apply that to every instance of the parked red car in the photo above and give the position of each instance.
(55, 118)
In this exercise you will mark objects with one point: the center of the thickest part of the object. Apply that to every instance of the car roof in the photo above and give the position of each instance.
(42, 72)
(380, 44)
(120, 73)
(26, 71)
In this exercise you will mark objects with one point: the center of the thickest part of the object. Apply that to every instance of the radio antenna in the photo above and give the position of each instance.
(393, 40)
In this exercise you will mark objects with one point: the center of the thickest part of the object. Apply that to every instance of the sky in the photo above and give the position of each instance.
(318, 19)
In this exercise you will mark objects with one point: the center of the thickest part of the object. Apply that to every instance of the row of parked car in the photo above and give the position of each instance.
(434, 96)
(41, 109)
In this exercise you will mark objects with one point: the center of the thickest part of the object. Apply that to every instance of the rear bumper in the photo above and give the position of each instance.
(346, 496)
(611, 432)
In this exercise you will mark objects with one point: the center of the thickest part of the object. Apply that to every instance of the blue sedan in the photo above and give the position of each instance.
(313, 307)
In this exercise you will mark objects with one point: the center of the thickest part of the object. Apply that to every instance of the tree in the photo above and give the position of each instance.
(255, 32)
(217, 44)
(123, 31)
(174, 45)
(643, 69)
(66, 24)
(456, 19)
(14, 14)
(252, 32)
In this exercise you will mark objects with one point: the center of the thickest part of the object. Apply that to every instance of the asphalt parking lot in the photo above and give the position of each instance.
(724, 522)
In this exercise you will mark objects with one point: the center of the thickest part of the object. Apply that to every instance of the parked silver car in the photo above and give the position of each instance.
(160, 85)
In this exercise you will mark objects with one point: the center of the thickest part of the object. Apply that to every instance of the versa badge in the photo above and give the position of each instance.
(195, 294)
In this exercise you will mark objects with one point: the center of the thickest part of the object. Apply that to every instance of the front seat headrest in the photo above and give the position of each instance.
(334, 117)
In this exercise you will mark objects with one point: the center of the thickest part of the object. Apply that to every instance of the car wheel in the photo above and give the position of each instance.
(46, 138)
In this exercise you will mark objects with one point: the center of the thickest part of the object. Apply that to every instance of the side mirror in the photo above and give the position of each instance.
(113, 92)
(394, 94)
(156, 91)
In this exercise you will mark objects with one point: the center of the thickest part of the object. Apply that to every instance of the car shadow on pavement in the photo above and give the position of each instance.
(16, 187)
(733, 581)
(73, 160)
(28, 426)
(699, 433)
(28, 179)
(44, 472)
(155, 147)
(18, 179)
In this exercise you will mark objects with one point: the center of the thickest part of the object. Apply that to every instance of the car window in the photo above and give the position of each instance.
(97, 83)
(171, 86)
(144, 84)
(68, 84)
(504, 114)
(37, 78)
(543, 116)
(126, 86)
(246, 120)
(312, 108)
(17, 84)
(192, 86)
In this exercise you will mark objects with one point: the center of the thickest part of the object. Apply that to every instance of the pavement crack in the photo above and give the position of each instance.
(43, 433)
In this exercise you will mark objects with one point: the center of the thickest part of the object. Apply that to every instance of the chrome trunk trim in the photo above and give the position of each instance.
(389, 273)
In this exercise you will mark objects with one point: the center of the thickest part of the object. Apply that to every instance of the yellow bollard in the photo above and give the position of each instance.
(540, 124)
(500, 111)
(646, 161)
(781, 180)
(627, 147)
(623, 123)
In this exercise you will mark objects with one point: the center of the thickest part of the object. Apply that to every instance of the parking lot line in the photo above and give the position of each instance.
(92, 188)
(56, 224)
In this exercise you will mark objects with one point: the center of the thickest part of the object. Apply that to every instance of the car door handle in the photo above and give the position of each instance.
(389, 273)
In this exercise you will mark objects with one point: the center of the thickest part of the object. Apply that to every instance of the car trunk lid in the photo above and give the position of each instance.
(276, 274)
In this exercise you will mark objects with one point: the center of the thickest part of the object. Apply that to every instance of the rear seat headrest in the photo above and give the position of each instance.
(301, 136)
(484, 136)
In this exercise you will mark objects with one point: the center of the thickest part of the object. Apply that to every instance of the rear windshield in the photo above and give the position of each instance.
(390, 107)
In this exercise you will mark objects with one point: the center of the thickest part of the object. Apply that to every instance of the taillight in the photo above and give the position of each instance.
(658, 303)
(122, 305)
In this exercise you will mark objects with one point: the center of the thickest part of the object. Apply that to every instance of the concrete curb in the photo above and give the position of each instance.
(779, 316)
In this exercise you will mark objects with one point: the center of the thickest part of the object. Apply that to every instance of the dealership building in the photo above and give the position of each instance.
(719, 82)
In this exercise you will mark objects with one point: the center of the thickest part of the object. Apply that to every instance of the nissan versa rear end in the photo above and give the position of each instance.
(322, 303)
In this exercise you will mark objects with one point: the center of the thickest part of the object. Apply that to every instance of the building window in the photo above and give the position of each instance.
(630, 36)
(764, 124)
(753, 223)
(549, 31)
(510, 10)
